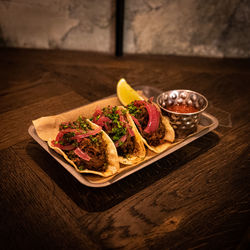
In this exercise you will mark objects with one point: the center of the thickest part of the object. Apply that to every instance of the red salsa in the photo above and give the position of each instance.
(182, 108)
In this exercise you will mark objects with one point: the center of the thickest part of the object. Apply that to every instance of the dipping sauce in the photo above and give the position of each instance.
(182, 108)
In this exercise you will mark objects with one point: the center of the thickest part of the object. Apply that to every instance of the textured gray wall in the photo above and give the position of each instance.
(188, 27)
(216, 28)
(65, 24)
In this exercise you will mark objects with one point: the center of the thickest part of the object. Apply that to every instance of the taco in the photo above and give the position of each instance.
(118, 124)
(155, 129)
(84, 145)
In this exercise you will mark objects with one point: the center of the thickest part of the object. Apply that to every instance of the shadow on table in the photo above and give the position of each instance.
(100, 199)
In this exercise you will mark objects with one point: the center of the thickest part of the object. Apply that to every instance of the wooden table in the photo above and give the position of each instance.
(195, 198)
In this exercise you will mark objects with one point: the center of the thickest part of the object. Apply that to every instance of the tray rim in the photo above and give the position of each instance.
(81, 178)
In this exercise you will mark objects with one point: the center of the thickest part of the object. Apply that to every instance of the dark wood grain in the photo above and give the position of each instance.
(195, 198)
(26, 223)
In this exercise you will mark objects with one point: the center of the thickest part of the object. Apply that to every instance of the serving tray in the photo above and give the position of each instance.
(207, 123)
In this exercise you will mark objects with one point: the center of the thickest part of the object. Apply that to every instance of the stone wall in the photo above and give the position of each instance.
(65, 24)
(213, 28)
(188, 27)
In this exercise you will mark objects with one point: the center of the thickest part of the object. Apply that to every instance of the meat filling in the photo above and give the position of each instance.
(128, 147)
(94, 146)
(114, 122)
(155, 138)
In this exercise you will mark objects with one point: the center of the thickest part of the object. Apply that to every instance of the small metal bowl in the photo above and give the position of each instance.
(183, 123)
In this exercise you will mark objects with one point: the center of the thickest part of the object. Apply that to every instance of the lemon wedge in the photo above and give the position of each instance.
(126, 94)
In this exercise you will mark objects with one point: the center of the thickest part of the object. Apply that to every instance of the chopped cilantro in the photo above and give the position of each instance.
(124, 111)
(93, 139)
(118, 130)
(133, 110)
(114, 109)
(118, 133)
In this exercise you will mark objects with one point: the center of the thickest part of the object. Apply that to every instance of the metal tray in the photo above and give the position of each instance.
(207, 124)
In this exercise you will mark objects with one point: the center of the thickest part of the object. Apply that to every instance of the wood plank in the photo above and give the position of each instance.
(193, 188)
(51, 174)
(15, 123)
(199, 202)
(90, 82)
(64, 57)
(22, 92)
(197, 197)
(31, 212)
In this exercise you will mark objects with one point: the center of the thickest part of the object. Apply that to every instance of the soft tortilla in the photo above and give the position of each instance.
(169, 137)
(112, 157)
(139, 145)
(47, 126)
